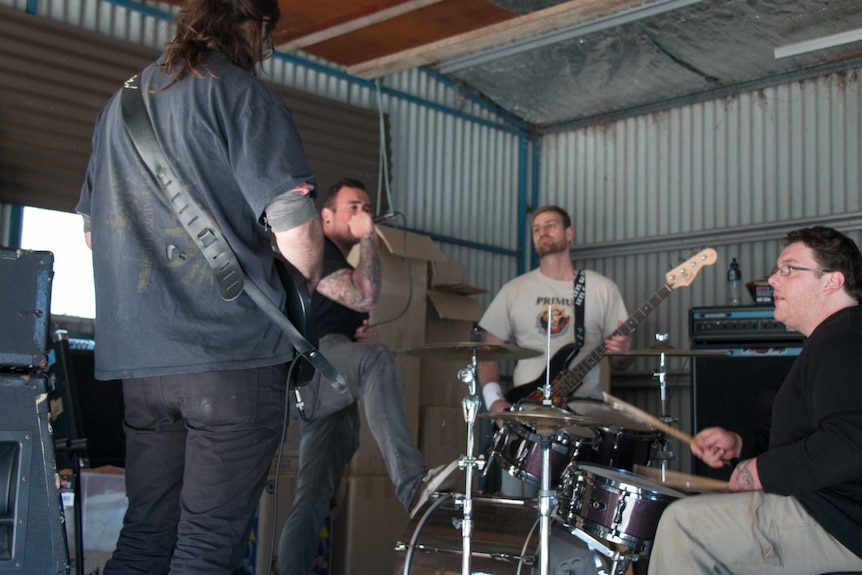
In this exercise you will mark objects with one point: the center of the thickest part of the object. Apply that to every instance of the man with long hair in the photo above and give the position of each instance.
(203, 378)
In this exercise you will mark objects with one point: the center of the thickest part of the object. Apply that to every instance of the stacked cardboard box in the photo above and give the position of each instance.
(452, 314)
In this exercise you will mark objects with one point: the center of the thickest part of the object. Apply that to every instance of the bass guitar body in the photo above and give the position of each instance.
(298, 310)
(532, 391)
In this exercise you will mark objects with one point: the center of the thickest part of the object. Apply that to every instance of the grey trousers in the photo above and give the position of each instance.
(331, 438)
(745, 533)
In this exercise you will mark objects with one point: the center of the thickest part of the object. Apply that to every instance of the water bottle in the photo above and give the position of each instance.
(734, 283)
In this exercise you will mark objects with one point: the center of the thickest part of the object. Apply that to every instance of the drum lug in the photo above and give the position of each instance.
(618, 513)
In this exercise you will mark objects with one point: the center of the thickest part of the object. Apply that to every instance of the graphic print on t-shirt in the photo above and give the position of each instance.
(561, 317)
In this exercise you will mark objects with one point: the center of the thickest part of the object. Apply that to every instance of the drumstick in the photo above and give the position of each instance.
(682, 480)
(645, 417)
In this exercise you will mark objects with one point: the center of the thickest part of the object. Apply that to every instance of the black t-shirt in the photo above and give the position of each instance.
(332, 317)
(814, 447)
(233, 143)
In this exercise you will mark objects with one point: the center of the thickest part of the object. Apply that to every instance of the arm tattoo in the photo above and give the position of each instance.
(369, 265)
(744, 476)
(357, 289)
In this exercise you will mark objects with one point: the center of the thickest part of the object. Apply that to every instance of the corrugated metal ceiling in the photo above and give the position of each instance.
(559, 63)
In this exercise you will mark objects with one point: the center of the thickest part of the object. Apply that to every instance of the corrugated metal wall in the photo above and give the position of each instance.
(51, 96)
(734, 173)
(450, 175)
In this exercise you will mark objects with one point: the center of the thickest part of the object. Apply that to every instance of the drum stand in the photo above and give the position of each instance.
(663, 454)
(470, 404)
(619, 560)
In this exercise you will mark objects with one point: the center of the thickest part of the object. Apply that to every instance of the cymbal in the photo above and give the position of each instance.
(606, 414)
(544, 419)
(670, 351)
(465, 350)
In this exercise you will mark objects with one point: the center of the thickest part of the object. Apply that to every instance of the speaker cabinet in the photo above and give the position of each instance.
(32, 531)
(734, 392)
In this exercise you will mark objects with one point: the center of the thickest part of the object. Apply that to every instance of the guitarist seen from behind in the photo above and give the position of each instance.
(520, 314)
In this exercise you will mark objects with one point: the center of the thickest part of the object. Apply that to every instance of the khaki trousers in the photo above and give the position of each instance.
(741, 533)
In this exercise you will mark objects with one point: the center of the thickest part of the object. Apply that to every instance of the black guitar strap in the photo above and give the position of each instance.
(580, 295)
(217, 252)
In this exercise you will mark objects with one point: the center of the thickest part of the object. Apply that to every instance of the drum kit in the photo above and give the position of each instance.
(599, 501)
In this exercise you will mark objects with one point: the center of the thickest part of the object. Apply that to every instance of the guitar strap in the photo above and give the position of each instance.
(580, 295)
(232, 279)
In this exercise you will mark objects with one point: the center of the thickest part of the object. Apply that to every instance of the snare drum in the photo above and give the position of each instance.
(613, 505)
(519, 450)
(622, 441)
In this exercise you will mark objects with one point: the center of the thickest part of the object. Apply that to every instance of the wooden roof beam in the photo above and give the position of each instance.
(553, 18)
(354, 25)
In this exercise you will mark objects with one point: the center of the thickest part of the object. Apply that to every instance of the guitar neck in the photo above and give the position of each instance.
(571, 379)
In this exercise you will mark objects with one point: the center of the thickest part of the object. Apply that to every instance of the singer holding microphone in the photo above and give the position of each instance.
(330, 428)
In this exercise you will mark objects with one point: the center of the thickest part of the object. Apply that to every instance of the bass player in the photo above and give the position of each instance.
(519, 314)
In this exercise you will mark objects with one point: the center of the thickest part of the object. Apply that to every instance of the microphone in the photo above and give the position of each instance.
(385, 217)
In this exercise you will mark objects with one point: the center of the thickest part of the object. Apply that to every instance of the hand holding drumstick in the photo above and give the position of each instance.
(714, 445)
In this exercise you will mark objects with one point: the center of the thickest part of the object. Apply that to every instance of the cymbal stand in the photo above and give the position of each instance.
(663, 454)
(546, 503)
(471, 405)
(546, 496)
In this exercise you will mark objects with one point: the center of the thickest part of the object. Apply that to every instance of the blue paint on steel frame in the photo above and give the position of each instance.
(460, 242)
(478, 100)
(16, 226)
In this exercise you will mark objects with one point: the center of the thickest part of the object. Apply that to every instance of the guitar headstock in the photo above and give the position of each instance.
(683, 274)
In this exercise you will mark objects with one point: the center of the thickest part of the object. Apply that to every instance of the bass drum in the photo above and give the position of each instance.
(505, 538)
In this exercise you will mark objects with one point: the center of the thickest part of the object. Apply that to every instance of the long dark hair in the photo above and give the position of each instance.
(207, 25)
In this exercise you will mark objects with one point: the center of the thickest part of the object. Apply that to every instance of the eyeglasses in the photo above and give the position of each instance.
(786, 270)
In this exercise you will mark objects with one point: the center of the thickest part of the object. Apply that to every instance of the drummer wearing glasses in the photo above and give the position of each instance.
(797, 505)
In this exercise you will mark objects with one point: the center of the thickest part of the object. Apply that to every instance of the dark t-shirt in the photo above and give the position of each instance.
(232, 141)
(332, 317)
(815, 444)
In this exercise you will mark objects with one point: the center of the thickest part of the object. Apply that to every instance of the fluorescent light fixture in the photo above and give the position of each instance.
(818, 44)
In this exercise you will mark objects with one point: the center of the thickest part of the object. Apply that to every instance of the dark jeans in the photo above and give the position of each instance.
(198, 450)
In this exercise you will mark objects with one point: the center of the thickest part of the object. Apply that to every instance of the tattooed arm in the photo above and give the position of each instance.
(745, 477)
(358, 289)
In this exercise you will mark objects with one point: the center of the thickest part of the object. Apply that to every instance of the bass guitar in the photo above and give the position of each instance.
(298, 310)
(566, 381)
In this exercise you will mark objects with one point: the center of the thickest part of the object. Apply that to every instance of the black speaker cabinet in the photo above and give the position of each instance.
(32, 531)
(25, 308)
(734, 392)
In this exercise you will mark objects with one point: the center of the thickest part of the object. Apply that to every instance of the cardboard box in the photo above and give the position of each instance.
(103, 491)
(371, 520)
(443, 437)
(449, 319)
(449, 276)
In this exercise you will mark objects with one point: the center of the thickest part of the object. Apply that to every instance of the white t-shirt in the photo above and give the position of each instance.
(519, 313)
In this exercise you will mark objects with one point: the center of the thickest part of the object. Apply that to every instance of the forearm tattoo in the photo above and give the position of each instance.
(369, 263)
(744, 477)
